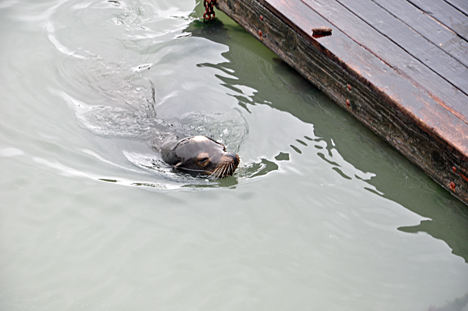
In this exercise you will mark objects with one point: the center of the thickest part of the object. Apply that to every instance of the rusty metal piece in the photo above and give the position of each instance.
(209, 10)
(463, 176)
(318, 32)
(452, 185)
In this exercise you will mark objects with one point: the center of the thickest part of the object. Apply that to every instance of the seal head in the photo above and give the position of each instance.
(200, 155)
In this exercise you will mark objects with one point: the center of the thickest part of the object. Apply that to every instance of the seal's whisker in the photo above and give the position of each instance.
(217, 172)
(223, 170)
(227, 170)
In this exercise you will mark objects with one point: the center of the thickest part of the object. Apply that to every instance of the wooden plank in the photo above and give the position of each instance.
(379, 95)
(461, 5)
(383, 47)
(305, 17)
(429, 28)
(360, 61)
(445, 14)
(410, 41)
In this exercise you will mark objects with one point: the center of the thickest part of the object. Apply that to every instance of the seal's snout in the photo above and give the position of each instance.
(234, 157)
(226, 166)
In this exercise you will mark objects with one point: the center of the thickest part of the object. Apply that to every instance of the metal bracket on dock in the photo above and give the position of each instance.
(209, 9)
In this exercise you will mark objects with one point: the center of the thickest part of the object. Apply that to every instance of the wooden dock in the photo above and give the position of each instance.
(398, 66)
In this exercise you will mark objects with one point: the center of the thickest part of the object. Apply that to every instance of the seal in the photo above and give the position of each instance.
(199, 156)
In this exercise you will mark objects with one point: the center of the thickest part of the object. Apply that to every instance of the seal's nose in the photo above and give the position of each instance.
(234, 157)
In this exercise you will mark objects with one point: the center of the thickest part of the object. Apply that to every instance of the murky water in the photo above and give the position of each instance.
(321, 214)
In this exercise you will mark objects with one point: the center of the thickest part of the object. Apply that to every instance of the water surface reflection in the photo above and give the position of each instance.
(340, 140)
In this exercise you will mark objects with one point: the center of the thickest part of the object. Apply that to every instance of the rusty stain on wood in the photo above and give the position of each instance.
(399, 90)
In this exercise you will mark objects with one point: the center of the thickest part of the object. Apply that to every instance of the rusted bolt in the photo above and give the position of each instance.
(261, 18)
(260, 33)
(348, 103)
(454, 169)
(349, 87)
(452, 185)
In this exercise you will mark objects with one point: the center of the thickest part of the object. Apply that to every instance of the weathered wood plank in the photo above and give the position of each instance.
(371, 65)
(445, 14)
(357, 58)
(428, 27)
(365, 85)
(461, 5)
(424, 51)
(392, 54)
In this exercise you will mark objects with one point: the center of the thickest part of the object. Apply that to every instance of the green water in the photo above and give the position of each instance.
(321, 214)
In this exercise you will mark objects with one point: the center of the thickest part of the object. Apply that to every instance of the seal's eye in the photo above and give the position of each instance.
(203, 159)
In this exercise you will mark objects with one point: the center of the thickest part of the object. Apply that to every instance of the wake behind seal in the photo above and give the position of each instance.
(199, 156)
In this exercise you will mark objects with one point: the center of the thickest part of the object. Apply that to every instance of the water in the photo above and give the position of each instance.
(321, 214)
